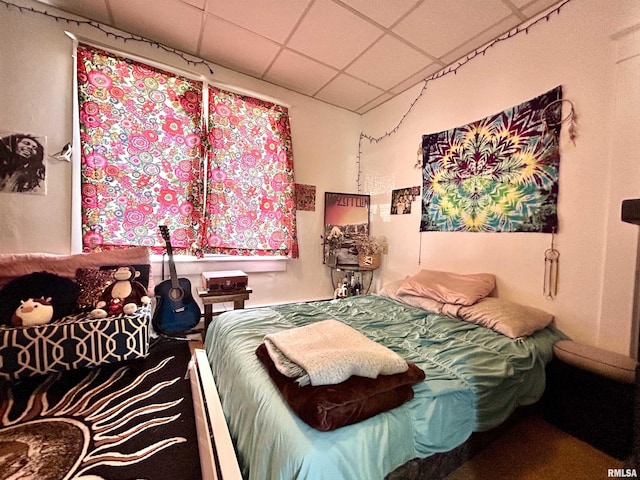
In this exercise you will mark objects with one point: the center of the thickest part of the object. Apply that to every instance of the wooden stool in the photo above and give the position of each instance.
(208, 299)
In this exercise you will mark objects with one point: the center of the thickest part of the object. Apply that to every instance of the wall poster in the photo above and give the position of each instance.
(401, 200)
(22, 167)
(346, 217)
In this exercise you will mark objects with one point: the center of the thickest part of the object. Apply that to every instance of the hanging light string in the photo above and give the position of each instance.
(189, 59)
(442, 73)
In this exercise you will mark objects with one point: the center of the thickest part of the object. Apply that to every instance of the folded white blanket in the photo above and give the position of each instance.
(329, 352)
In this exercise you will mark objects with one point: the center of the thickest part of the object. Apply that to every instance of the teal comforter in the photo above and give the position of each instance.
(475, 378)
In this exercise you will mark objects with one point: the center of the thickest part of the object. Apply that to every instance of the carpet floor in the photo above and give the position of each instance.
(535, 450)
(116, 422)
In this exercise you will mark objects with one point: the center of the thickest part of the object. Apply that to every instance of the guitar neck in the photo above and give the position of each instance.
(172, 267)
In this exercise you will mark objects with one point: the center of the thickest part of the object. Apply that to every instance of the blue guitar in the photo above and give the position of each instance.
(176, 310)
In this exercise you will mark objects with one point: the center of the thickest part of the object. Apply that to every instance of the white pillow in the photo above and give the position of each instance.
(447, 287)
(508, 318)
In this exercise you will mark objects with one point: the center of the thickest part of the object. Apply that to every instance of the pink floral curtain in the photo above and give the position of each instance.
(251, 194)
(140, 130)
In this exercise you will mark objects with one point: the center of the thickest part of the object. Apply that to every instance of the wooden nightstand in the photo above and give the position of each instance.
(208, 299)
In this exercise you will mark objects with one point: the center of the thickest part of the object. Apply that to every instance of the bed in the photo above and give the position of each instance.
(475, 378)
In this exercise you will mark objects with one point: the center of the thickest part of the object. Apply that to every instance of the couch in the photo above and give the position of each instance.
(76, 340)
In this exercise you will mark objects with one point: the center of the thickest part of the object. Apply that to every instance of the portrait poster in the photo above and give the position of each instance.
(346, 218)
(22, 167)
(402, 198)
(498, 174)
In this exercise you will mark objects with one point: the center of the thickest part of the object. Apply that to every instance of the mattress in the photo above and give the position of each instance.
(475, 378)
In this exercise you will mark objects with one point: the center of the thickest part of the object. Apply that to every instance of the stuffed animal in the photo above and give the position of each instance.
(63, 291)
(124, 295)
(33, 311)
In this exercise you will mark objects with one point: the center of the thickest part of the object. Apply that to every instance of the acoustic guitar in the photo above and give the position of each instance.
(176, 310)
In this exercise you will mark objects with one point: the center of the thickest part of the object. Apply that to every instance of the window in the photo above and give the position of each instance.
(149, 160)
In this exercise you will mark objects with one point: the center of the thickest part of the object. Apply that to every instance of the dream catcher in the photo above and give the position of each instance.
(552, 119)
(551, 260)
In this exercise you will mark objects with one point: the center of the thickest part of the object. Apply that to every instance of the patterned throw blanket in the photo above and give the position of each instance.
(329, 352)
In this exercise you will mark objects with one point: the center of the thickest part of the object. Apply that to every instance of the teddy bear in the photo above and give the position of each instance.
(33, 311)
(124, 295)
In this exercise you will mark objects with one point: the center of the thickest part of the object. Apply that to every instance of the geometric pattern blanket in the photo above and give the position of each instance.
(498, 174)
(122, 421)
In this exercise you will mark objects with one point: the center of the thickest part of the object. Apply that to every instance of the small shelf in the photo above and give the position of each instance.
(354, 274)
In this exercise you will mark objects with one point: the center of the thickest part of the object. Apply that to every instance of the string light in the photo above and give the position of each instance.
(189, 59)
(447, 71)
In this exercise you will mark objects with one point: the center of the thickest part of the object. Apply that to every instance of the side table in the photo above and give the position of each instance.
(208, 299)
(364, 274)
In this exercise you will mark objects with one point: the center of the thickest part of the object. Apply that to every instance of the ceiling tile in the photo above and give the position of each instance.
(299, 73)
(385, 12)
(324, 37)
(196, 3)
(348, 92)
(170, 22)
(273, 19)
(438, 27)
(417, 78)
(236, 48)
(399, 60)
(374, 103)
(337, 42)
(92, 9)
(534, 8)
(468, 48)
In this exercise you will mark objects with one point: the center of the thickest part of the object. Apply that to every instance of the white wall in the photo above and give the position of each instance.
(36, 94)
(574, 49)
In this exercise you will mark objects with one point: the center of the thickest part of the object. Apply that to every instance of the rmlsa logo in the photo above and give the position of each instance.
(622, 473)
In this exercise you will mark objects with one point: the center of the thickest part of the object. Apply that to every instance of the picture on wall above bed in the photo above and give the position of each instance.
(22, 167)
(498, 174)
(346, 218)
(401, 200)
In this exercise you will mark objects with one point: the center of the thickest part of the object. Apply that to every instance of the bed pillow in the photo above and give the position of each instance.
(328, 407)
(391, 289)
(92, 282)
(508, 318)
(16, 265)
(430, 305)
(447, 287)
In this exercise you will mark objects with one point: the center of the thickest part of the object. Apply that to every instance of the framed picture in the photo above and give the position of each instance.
(22, 168)
(346, 217)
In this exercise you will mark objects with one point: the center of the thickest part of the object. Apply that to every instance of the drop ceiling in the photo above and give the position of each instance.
(355, 54)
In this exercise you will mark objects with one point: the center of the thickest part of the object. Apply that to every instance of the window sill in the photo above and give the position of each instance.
(187, 265)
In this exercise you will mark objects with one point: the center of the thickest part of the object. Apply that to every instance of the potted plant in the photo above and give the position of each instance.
(370, 250)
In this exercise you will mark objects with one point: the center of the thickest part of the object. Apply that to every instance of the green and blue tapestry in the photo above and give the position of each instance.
(498, 174)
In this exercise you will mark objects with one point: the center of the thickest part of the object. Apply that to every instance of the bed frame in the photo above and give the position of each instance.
(217, 455)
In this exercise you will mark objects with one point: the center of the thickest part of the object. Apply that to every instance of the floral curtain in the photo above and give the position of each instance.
(140, 130)
(251, 193)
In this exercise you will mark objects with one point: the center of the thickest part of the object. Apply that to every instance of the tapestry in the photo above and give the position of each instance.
(498, 174)
(124, 421)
